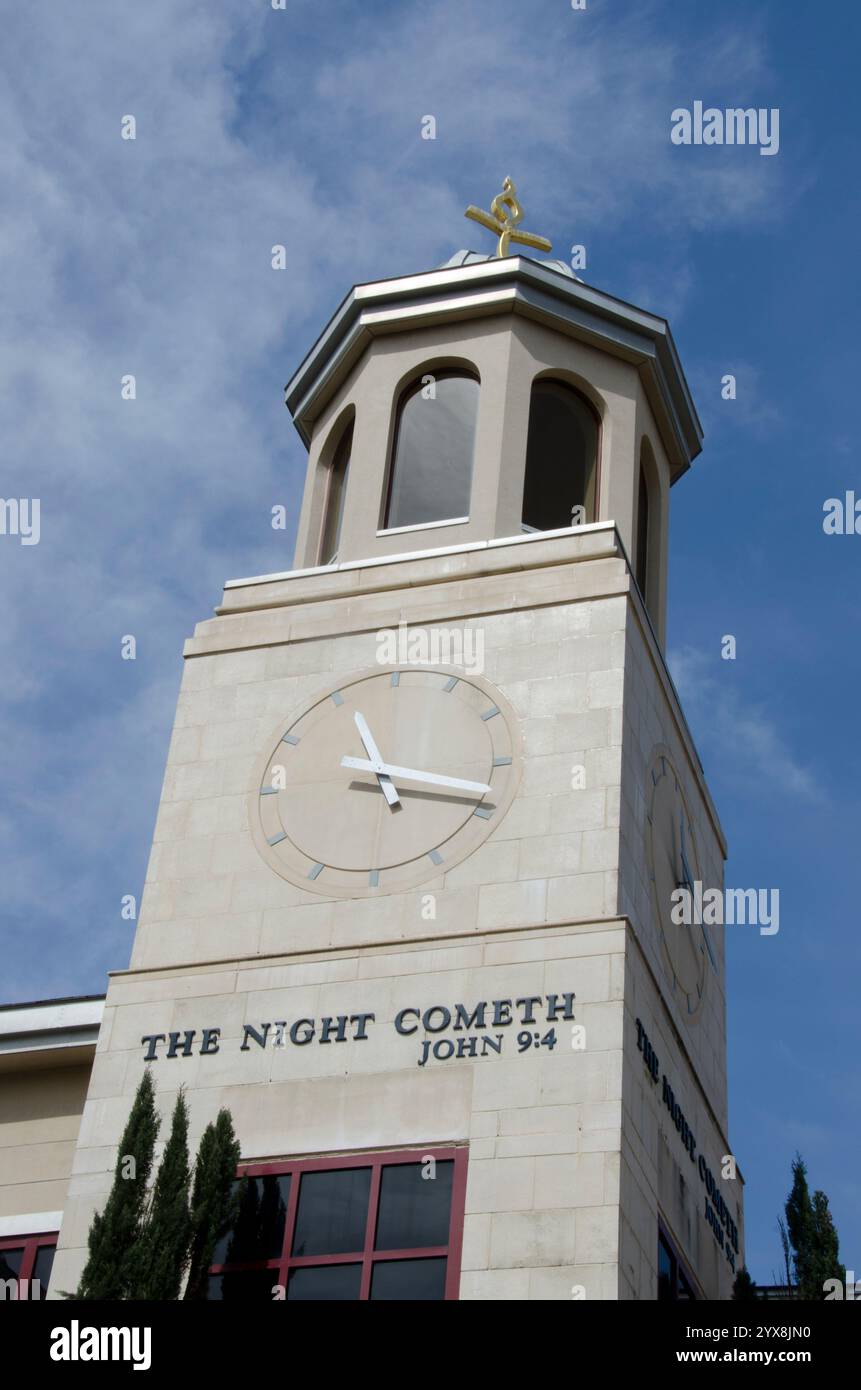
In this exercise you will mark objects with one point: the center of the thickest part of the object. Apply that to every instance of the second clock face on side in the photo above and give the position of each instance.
(386, 780)
(674, 864)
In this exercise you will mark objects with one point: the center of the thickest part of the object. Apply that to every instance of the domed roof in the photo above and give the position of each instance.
(461, 258)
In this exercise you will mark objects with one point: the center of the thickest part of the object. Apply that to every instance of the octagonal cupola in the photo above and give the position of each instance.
(494, 397)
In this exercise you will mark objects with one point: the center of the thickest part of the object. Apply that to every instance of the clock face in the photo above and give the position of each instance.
(385, 780)
(674, 864)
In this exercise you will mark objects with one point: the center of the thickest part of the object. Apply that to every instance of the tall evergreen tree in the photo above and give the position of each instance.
(786, 1251)
(214, 1199)
(162, 1252)
(115, 1231)
(813, 1237)
(744, 1288)
(826, 1246)
(799, 1226)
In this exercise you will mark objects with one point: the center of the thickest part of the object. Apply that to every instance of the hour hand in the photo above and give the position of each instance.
(387, 787)
(411, 774)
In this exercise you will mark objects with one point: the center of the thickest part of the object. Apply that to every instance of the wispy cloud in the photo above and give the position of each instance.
(753, 409)
(152, 257)
(744, 736)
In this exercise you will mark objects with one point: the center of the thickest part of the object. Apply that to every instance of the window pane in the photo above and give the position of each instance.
(642, 533)
(561, 453)
(325, 1283)
(243, 1286)
(335, 493)
(666, 1279)
(333, 1212)
(414, 1210)
(259, 1230)
(42, 1267)
(409, 1279)
(432, 469)
(685, 1293)
(10, 1262)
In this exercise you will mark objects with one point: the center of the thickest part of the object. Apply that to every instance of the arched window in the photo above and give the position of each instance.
(642, 560)
(430, 478)
(561, 458)
(336, 488)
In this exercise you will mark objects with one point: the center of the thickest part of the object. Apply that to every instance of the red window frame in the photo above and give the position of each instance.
(367, 1256)
(32, 1245)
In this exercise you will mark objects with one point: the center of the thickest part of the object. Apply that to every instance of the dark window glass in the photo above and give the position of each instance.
(333, 1212)
(325, 1283)
(666, 1272)
(561, 457)
(259, 1230)
(409, 1280)
(431, 475)
(326, 1240)
(673, 1284)
(685, 1292)
(243, 1286)
(335, 493)
(10, 1262)
(643, 534)
(414, 1210)
(42, 1267)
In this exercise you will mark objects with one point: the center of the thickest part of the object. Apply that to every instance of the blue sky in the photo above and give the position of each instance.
(302, 127)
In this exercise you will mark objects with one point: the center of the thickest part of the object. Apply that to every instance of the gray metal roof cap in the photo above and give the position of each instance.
(473, 286)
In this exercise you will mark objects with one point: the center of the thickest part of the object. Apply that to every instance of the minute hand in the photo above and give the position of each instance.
(410, 774)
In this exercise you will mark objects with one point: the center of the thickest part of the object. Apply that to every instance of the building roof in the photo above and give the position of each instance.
(50, 1032)
(470, 287)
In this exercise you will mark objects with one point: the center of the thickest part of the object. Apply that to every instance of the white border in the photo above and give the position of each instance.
(34, 1223)
(424, 554)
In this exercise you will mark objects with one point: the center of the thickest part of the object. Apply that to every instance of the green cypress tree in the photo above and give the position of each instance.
(825, 1262)
(162, 1251)
(214, 1199)
(800, 1226)
(744, 1289)
(813, 1237)
(115, 1231)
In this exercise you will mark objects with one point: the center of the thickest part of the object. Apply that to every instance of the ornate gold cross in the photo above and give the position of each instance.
(504, 217)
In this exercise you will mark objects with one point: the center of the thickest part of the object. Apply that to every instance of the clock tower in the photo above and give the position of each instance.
(428, 797)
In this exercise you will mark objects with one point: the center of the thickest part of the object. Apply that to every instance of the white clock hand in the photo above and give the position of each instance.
(409, 774)
(387, 787)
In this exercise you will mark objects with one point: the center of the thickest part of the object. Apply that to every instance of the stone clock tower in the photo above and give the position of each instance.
(407, 912)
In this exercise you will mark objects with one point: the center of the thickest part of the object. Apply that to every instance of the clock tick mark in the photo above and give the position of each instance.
(396, 678)
(434, 856)
(374, 878)
(316, 871)
(502, 762)
(483, 811)
(290, 738)
(268, 791)
(488, 714)
(450, 684)
(276, 839)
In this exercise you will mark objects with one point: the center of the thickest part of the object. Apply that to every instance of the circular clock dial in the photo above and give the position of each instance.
(386, 780)
(674, 864)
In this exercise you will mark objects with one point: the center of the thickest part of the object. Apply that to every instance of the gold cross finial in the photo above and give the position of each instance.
(504, 217)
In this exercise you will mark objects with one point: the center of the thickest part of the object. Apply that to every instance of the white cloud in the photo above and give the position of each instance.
(152, 257)
(741, 736)
(752, 410)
